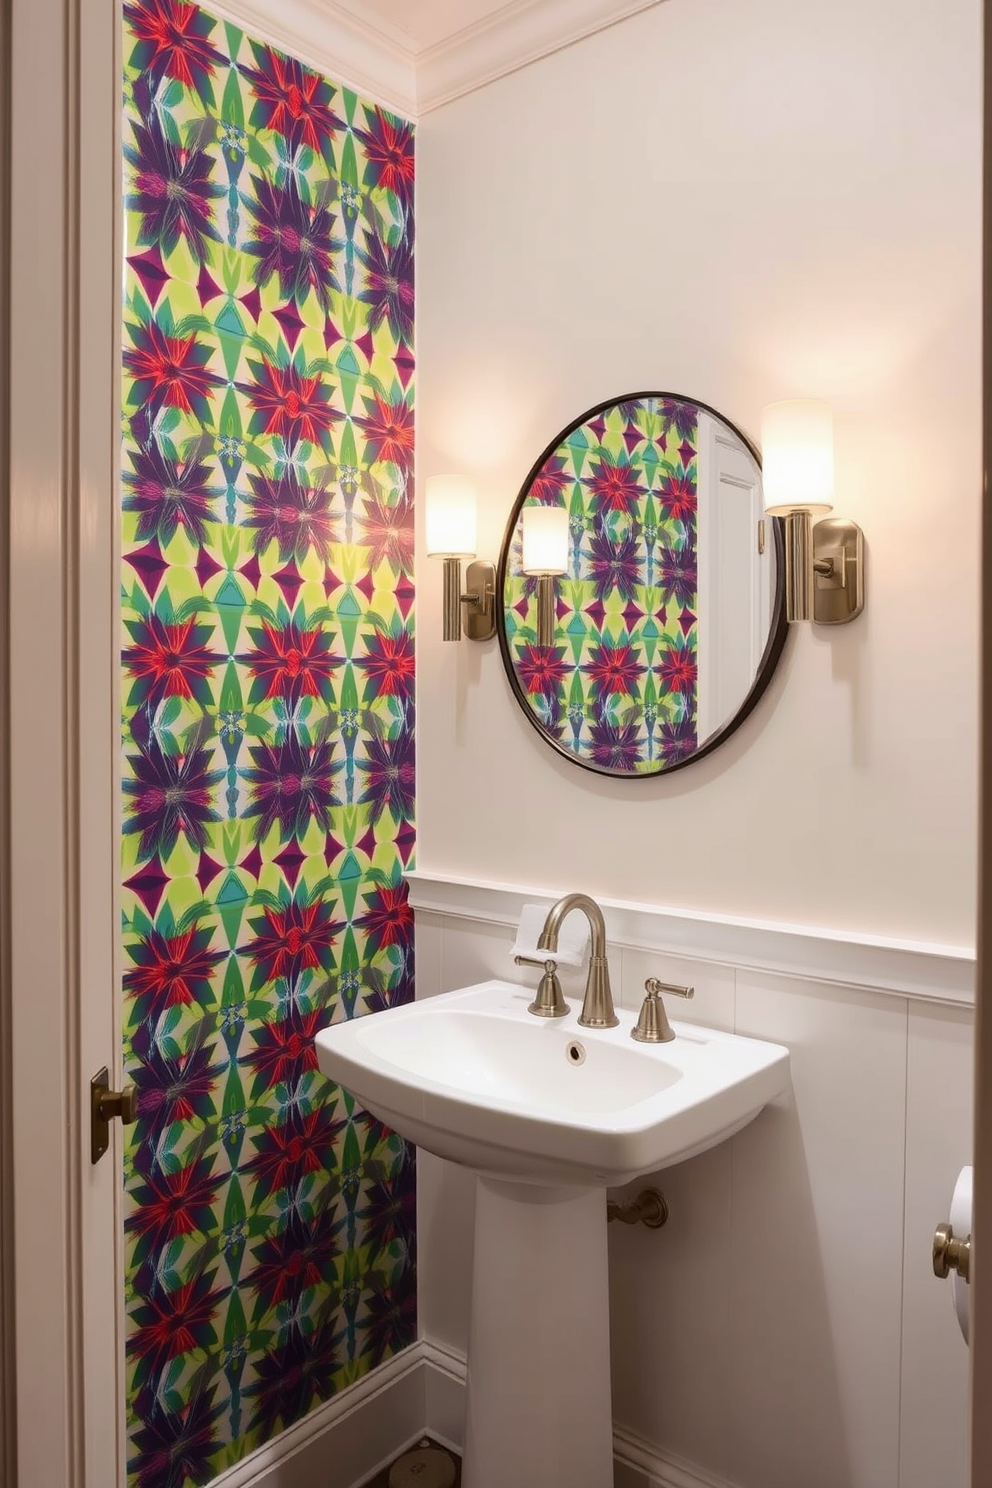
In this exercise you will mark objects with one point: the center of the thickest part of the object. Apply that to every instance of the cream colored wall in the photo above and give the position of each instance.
(739, 200)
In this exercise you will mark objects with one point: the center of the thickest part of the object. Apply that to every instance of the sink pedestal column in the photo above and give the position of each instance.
(539, 1407)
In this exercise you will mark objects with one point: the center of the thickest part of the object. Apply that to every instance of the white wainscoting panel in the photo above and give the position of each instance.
(636, 1463)
(783, 1327)
(445, 1237)
(428, 940)
(816, 1243)
(670, 1307)
(940, 1084)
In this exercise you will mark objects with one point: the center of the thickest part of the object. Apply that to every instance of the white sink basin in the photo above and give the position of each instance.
(473, 1077)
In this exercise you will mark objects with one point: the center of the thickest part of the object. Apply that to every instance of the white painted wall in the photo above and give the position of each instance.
(740, 200)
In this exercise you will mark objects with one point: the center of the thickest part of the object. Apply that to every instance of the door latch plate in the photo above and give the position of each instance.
(99, 1124)
(105, 1104)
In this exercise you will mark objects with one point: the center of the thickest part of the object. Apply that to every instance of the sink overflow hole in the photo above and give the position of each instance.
(575, 1054)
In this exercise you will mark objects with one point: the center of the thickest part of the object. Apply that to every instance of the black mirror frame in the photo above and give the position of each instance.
(777, 632)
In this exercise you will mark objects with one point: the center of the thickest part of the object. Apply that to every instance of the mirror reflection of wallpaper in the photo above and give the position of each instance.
(618, 687)
(268, 731)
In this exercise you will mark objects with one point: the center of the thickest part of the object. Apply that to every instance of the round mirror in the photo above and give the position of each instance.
(640, 639)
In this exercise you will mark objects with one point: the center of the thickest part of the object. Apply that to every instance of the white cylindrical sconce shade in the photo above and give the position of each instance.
(450, 506)
(797, 456)
(545, 543)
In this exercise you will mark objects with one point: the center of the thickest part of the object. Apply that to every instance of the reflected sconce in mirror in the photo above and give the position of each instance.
(670, 618)
(824, 561)
(545, 556)
(451, 503)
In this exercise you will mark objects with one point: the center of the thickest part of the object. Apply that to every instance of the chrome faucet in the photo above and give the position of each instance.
(597, 1006)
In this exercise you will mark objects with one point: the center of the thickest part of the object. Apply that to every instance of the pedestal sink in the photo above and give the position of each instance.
(548, 1115)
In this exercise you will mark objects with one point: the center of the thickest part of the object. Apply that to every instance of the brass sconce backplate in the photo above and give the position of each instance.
(479, 599)
(839, 594)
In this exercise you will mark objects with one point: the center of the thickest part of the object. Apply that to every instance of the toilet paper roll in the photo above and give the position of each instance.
(573, 936)
(961, 1225)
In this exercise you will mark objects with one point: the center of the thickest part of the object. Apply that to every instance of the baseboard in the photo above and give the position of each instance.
(444, 1393)
(637, 1463)
(347, 1440)
(640, 1464)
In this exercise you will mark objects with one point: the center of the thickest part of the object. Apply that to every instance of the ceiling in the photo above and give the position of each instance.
(415, 55)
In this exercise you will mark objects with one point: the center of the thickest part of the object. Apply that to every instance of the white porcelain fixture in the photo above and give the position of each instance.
(473, 1077)
(549, 1115)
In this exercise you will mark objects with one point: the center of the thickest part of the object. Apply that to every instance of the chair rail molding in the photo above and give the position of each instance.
(943, 974)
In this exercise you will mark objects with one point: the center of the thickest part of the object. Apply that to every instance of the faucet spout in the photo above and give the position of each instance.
(597, 1005)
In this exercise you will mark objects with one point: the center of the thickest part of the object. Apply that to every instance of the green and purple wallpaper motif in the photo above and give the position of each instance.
(618, 689)
(268, 731)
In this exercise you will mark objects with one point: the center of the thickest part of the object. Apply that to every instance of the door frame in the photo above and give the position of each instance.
(61, 735)
(8, 1441)
(980, 1378)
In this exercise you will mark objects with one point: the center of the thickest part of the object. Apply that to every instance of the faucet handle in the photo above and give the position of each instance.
(549, 1002)
(653, 987)
(652, 1025)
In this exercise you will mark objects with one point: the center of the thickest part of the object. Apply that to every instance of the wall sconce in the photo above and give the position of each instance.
(545, 544)
(451, 536)
(824, 562)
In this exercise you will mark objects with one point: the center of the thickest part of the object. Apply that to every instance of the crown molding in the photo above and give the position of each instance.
(365, 58)
(512, 38)
(359, 13)
(346, 42)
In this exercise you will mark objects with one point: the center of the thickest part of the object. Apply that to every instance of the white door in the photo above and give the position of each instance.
(63, 737)
(729, 512)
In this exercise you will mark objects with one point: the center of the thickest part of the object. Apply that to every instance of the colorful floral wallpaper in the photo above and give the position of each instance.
(268, 731)
(617, 690)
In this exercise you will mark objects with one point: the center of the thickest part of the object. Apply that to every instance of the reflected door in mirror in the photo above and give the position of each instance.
(668, 620)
